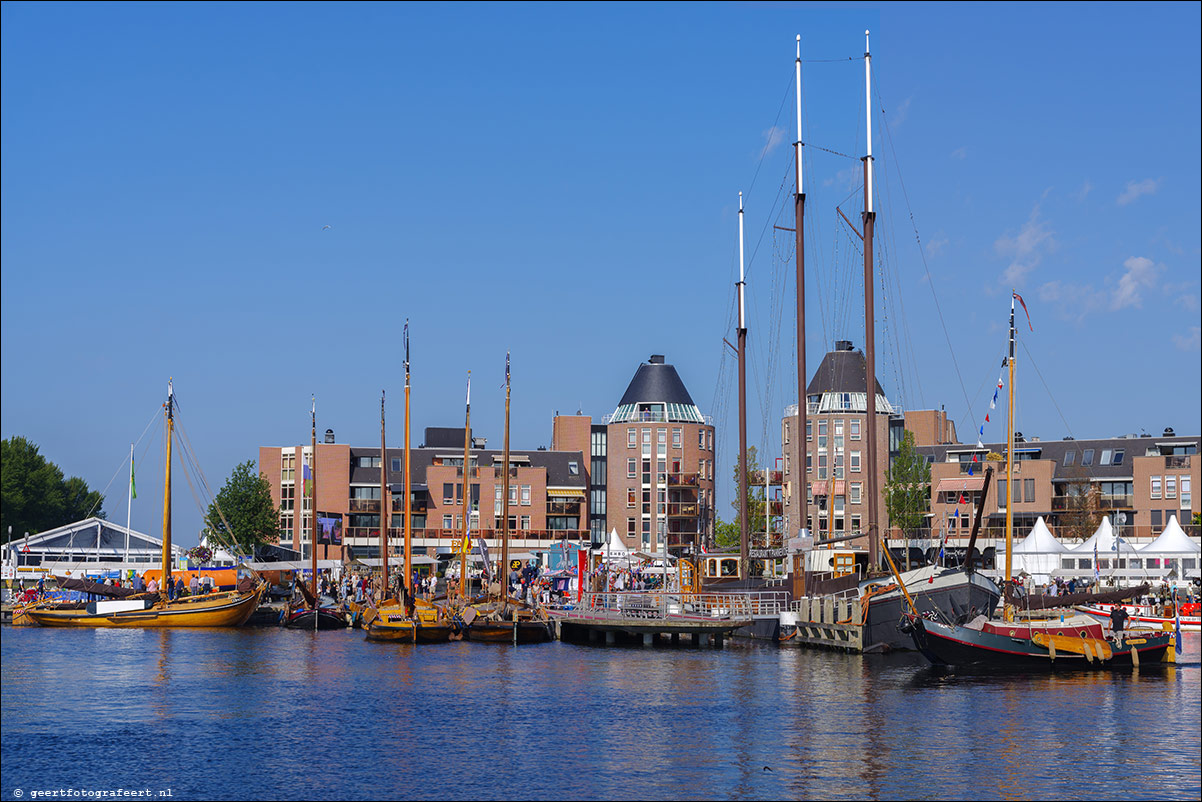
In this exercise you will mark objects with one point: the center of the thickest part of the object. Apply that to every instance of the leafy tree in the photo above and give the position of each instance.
(36, 496)
(726, 534)
(1082, 509)
(907, 490)
(756, 506)
(243, 515)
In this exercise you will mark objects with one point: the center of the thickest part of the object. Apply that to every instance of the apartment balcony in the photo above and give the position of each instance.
(1177, 461)
(564, 507)
(756, 478)
(1106, 502)
(681, 480)
(365, 505)
(448, 537)
(686, 509)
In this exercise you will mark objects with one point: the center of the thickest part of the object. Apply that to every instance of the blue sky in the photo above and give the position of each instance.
(561, 181)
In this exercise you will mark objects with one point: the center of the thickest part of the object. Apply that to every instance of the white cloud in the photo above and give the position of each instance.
(1025, 249)
(1191, 341)
(960, 153)
(773, 137)
(1072, 301)
(1141, 273)
(899, 116)
(1189, 302)
(1085, 189)
(936, 245)
(848, 179)
(1136, 188)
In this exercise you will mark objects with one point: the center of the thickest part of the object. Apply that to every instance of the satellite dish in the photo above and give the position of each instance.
(1122, 517)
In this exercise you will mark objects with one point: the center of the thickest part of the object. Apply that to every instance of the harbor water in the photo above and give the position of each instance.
(265, 713)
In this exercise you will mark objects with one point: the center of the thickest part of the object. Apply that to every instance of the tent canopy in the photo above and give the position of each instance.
(1104, 539)
(1040, 541)
(1172, 540)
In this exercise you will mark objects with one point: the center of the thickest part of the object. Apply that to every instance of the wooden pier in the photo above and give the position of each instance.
(830, 623)
(702, 619)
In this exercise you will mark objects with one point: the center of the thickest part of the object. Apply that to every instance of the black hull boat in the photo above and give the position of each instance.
(975, 647)
(327, 618)
(950, 594)
(504, 631)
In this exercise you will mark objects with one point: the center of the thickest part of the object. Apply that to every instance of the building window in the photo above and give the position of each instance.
(1170, 487)
(1001, 494)
(448, 521)
(1186, 496)
(396, 464)
(855, 433)
(525, 495)
(368, 462)
(855, 493)
(1029, 490)
(676, 438)
(1156, 487)
(1105, 460)
(809, 431)
(525, 523)
(632, 499)
(821, 428)
(631, 468)
(630, 437)
(839, 428)
(1118, 457)
(1070, 458)
(855, 462)
(448, 493)
(598, 472)
(1087, 457)
(809, 463)
(573, 468)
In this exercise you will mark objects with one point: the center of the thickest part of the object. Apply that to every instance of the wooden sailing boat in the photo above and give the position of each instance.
(986, 643)
(507, 620)
(415, 620)
(227, 609)
(311, 613)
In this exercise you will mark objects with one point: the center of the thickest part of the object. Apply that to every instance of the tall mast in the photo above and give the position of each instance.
(384, 518)
(870, 323)
(1010, 449)
(313, 509)
(505, 494)
(742, 335)
(408, 487)
(170, 412)
(129, 509)
(467, 448)
(799, 212)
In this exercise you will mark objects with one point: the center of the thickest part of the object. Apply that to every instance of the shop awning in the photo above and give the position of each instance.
(565, 492)
(967, 484)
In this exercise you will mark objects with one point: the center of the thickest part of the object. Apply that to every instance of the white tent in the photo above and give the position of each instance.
(614, 547)
(1104, 539)
(1039, 552)
(1172, 549)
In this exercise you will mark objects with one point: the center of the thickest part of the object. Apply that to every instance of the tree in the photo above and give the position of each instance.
(907, 490)
(36, 496)
(1082, 508)
(756, 505)
(243, 515)
(726, 534)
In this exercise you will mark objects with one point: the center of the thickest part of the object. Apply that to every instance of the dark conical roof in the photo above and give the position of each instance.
(842, 371)
(656, 381)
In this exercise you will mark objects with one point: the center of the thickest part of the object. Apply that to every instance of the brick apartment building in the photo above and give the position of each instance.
(651, 463)
(547, 495)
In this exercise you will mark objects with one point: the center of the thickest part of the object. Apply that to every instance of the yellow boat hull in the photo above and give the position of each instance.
(230, 609)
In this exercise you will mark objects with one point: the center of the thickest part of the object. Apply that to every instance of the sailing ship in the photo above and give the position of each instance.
(409, 620)
(506, 620)
(984, 642)
(225, 609)
(313, 611)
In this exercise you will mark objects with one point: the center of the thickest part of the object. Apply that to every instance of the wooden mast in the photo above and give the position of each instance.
(744, 536)
(799, 211)
(313, 510)
(869, 326)
(1010, 451)
(504, 572)
(384, 519)
(467, 487)
(408, 488)
(167, 494)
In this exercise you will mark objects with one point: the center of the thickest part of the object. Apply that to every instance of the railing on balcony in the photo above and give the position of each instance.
(563, 507)
(448, 537)
(365, 505)
(1105, 502)
(1176, 461)
(682, 509)
(681, 480)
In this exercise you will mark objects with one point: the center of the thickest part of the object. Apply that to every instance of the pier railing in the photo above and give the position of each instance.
(663, 606)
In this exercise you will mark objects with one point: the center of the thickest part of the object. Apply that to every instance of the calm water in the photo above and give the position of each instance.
(280, 714)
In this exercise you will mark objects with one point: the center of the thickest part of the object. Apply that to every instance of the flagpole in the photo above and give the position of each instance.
(467, 445)
(129, 508)
(408, 491)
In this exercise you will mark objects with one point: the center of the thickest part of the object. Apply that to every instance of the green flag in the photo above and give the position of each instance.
(133, 488)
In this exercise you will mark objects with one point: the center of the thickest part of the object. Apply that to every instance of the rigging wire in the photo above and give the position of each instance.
(116, 473)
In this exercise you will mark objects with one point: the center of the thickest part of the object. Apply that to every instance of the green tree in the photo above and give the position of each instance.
(756, 506)
(726, 534)
(1083, 509)
(907, 490)
(243, 515)
(35, 494)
